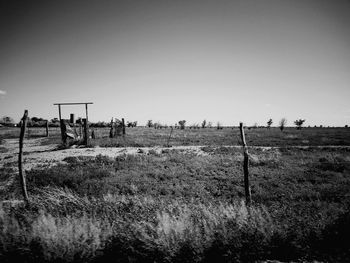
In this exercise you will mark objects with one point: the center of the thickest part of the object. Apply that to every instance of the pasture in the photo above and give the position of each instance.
(149, 137)
(134, 199)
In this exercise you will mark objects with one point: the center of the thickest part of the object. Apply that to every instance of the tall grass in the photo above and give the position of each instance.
(146, 229)
(168, 231)
(181, 207)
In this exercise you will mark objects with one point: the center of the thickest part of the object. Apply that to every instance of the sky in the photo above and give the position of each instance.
(223, 61)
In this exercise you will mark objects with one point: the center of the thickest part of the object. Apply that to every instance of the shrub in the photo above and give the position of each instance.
(204, 123)
(182, 124)
(299, 123)
(283, 123)
(149, 124)
(269, 123)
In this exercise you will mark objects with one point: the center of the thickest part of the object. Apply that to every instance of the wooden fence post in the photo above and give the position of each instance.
(47, 128)
(86, 131)
(123, 123)
(111, 133)
(245, 166)
(63, 131)
(20, 155)
(171, 131)
(80, 128)
(62, 125)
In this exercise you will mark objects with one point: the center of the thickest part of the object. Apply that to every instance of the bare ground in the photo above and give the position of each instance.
(37, 155)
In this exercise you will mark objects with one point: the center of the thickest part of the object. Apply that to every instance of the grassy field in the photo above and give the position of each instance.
(177, 206)
(149, 137)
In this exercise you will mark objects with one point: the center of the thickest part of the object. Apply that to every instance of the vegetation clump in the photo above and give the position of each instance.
(174, 206)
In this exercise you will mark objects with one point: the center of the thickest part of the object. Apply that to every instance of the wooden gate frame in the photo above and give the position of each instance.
(86, 124)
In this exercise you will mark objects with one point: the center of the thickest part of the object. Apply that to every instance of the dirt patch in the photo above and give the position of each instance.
(36, 155)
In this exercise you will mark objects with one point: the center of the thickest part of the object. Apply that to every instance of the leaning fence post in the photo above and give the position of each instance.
(245, 166)
(20, 155)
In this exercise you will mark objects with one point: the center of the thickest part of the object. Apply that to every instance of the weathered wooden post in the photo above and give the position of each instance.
(123, 123)
(111, 134)
(20, 155)
(63, 127)
(245, 166)
(71, 118)
(171, 131)
(72, 123)
(47, 128)
(86, 125)
(80, 128)
(86, 132)
(63, 131)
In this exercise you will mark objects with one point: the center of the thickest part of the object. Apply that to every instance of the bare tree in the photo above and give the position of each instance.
(219, 126)
(299, 123)
(6, 120)
(204, 124)
(269, 123)
(283, 123)
(149, 124)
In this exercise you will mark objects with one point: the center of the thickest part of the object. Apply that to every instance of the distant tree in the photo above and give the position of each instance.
(204, 124)
(157, 125)
(54, 120)
(36, 119)
(299, 123)
(182, 124)
(346, 126)
(149, 124)
(131, 124)
(99, 124)
(6, 120)
(209, 125)
(269, 123)
(283, 123)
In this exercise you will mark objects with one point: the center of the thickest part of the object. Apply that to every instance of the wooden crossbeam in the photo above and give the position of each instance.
(73, 103)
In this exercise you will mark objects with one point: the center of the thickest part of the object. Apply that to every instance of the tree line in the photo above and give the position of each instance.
(181, 124)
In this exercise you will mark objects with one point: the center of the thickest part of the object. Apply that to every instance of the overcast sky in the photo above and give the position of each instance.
(226, 61)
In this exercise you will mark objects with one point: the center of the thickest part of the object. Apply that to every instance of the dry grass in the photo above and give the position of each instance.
(149, 137)
(167, 231)
(175, 206)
